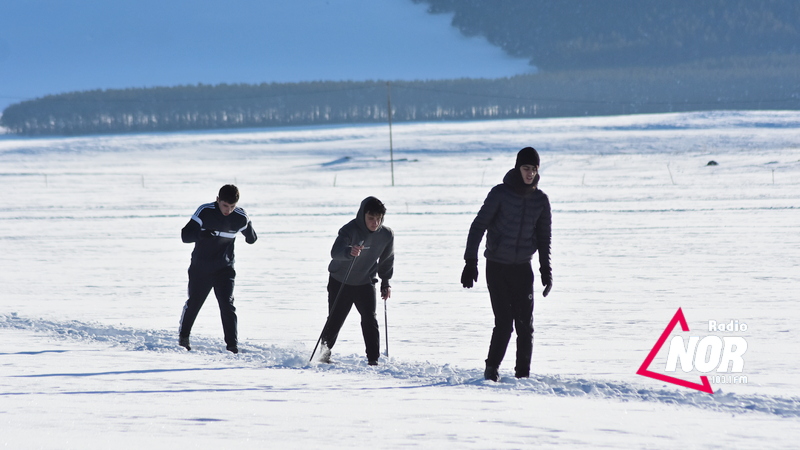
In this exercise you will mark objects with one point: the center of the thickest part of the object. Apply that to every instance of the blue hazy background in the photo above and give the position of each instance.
(56, 46)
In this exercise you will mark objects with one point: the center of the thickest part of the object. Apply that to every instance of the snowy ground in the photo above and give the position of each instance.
(94, 278)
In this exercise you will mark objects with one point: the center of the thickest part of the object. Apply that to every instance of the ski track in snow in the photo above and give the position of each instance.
(424, 373)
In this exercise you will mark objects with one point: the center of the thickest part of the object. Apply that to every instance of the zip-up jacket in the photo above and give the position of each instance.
(377, 257)
(516, 219)
(213, 235)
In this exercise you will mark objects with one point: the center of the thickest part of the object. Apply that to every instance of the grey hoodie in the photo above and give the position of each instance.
(376, 259)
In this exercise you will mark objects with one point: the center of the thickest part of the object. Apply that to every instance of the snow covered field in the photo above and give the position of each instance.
(94, 278)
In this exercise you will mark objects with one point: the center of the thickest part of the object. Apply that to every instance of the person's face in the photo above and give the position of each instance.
(528, 173)
(373, 221)
(226, 208)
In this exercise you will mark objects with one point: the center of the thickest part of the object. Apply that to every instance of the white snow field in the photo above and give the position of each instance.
(93, 276)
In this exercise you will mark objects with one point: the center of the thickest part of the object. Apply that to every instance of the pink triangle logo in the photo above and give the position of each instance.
(644, 370)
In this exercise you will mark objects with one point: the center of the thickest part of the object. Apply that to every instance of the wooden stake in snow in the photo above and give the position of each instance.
(391, 149)
(670, 175)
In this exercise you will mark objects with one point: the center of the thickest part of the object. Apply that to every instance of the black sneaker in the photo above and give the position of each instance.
(373, 362)
(183, 341)
(233, 349)
(491, 373)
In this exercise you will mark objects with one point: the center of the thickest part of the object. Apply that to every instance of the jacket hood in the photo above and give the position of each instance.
(362, 213)
(513, 179)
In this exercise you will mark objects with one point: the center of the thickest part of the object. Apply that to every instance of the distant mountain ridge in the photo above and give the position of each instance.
(759, 83)
(598, 57)
(592, 34)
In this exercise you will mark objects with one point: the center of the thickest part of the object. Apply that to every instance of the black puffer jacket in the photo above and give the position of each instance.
(517, 219)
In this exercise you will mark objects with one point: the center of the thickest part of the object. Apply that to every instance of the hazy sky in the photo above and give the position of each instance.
(54, 46)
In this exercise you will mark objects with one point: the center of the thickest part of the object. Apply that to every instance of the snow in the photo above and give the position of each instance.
(94, 278)
(51, 47)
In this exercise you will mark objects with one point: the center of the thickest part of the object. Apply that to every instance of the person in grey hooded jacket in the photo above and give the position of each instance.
(362, 253)
(516, 218)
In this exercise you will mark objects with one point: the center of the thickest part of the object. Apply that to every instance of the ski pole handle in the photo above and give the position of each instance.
(357, 248)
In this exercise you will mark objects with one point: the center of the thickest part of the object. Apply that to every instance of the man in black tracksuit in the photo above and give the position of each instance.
(516, 217)
(213, 229)
(362, 252)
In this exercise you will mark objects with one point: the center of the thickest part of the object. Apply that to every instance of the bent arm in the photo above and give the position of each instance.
(386, 265)
(250, 233)
(485, 216)
(191, 232)
(340, 251)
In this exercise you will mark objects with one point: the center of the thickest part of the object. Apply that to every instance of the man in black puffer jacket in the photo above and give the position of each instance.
(516, 218)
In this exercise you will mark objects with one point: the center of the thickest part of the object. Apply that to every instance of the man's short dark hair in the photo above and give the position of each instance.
(229, 194)
(375, 207)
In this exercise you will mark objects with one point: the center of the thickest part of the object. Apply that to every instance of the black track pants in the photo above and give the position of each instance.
(200, 285)
(364, 297)
(511, 292)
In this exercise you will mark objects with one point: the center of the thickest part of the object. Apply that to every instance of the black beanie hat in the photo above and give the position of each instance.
(527, 156)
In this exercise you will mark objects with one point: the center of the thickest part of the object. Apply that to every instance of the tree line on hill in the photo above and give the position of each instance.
(760, 83)
(597, 57)
(584, 34)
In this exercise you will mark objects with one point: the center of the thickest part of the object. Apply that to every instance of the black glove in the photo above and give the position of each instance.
(547, 280)
(470, 273)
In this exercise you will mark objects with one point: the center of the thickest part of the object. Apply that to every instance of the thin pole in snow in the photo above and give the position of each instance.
(391, 147)
(333, 307)
(386, 326)
(670, 175)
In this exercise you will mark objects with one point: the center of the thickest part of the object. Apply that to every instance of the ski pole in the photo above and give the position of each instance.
(386, 327)
(333, 307)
